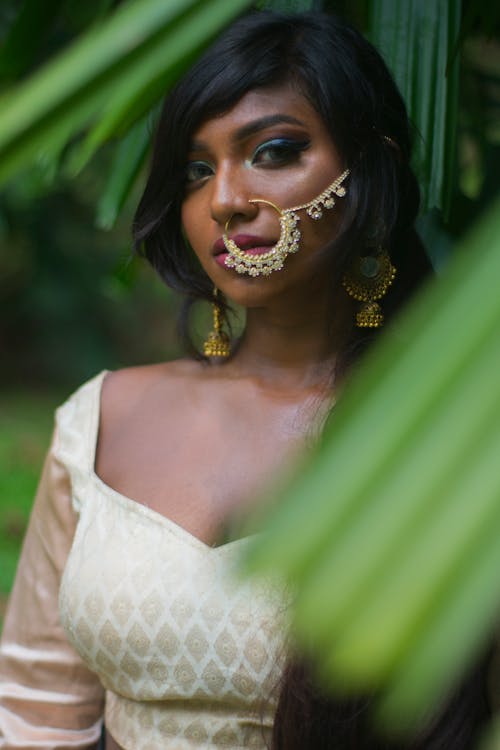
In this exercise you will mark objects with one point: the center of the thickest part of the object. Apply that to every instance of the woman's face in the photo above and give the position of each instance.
(272, 144)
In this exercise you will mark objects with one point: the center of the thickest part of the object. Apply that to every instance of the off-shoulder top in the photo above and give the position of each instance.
(156, 630)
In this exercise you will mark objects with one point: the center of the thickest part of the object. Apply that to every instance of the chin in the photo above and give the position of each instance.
(255, 291)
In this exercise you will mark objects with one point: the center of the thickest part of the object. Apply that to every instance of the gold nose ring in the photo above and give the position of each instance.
(265, 263)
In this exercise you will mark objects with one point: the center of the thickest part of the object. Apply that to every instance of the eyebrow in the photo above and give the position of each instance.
(255, 126)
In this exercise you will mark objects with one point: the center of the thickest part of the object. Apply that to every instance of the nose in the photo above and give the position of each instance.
(230, 196)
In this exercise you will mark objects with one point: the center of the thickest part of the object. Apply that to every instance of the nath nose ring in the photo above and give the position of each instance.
(265, 263)
(288, 242)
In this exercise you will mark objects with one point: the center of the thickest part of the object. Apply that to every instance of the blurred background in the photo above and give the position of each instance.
(73, 298)
(74, 301)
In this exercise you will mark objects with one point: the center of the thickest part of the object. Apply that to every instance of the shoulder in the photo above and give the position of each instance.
(129, 385)
(123, 391)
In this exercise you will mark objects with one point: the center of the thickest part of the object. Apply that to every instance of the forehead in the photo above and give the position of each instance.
(259, 104)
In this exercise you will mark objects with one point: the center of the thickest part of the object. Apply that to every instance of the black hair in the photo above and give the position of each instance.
(306, 718)
(348, 84)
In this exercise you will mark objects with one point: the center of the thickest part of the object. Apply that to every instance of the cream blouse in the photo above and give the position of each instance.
(154, 632)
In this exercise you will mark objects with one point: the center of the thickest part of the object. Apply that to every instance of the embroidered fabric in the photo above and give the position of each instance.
(189, 656)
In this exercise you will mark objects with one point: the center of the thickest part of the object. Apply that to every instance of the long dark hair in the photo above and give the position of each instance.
(348, 84)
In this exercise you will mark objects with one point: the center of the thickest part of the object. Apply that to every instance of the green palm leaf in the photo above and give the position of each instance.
(418, 39)
(129, 158)
(74, 89)
(395, 523)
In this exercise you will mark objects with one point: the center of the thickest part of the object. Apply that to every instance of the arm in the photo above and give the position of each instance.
(48, 698)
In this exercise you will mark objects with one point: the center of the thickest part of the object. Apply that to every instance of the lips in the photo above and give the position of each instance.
(251, 244)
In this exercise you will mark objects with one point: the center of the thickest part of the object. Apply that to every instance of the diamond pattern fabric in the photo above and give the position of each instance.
(189, 655)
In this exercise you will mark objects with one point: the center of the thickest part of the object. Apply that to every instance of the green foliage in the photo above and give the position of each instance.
(128, 161)
(25, 426)
(418, 39)
(112, 75)
(22, 45)
(115, 74)
(152, 40)
(72, 300)
(395, 522)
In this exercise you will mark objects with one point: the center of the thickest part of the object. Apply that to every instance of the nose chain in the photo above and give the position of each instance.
(264, 264)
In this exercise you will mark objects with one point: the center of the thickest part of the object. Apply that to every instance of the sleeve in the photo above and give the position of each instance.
(49, 699)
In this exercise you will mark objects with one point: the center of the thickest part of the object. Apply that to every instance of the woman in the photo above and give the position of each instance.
(280, 182)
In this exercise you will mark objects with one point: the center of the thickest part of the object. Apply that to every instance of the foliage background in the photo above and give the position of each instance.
(72, 299)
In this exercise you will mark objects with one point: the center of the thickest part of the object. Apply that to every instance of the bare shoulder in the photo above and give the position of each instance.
(123, 390)
(139, 407)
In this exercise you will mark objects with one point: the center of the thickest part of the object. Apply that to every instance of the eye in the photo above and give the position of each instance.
(197, 170)
(279, 151)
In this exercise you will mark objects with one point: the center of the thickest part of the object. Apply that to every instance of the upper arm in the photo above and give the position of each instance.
(48, 697)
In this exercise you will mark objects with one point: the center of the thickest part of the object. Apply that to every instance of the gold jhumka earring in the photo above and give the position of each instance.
(367, 281)
(265, 263)
(217, 343)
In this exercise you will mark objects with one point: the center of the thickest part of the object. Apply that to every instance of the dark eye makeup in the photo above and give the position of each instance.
(279, 151)
(197, 170)
(275, 152)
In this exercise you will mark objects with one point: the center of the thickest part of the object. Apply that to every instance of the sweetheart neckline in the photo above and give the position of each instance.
(136, 505)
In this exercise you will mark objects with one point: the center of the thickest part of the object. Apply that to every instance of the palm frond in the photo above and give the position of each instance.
(395, 523)
(132, 56)
(418, 39)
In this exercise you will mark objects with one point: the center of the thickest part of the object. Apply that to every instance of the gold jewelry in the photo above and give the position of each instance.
(217, 343)
(265, 263)
(368, 280)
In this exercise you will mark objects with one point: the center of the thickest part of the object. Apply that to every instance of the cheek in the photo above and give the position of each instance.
(318, 233)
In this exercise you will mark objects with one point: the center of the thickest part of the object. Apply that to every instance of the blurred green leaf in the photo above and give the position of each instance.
(82, 15)
(148, 78)
(396, 520)
(417, 39)
(437, 241)
(129, 158)
(26, 37)
(76, 87)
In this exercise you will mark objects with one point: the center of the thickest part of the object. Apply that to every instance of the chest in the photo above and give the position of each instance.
(203, 465)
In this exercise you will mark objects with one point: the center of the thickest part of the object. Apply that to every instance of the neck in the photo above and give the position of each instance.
(293, 348)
